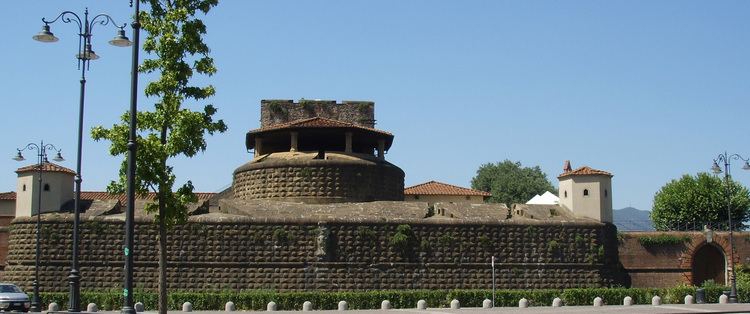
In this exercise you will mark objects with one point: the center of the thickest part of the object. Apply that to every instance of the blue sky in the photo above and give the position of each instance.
(648, 90)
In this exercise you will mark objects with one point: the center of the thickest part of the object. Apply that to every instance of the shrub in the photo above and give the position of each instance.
(404, 241)
(662, 240)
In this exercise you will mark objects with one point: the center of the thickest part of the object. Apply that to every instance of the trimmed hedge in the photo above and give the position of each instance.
(258, 299)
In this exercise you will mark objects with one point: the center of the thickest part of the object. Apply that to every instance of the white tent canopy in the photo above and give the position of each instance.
(545, 199)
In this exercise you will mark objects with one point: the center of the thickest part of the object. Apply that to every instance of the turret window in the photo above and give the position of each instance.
(23, 188)
(566, 194)
(605, 192)
(585, 192)
(46, 187)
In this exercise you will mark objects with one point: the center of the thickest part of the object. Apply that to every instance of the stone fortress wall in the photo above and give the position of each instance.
(319, 181)
(219, 251)
(277, 111)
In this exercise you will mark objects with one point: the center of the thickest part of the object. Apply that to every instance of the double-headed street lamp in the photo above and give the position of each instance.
(84, 55)
(726, 159)
(41, 153)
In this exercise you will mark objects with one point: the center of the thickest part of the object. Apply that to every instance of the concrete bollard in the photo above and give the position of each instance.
(487, 304)
(627, 301)
(229, 307)
(271, 307)
(656, 300)
(91, 307)
(421, 305)
(307, 306)
(723, 299)
(139, 307)
(598, 301)
(689, 299)
(523, 303)
(556, 302)
(385, 305)
(343, 306)
(53, 307)
(455, 305)
(187, 307)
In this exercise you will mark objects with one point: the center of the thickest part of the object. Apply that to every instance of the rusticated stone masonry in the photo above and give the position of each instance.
(232, 252)
(334, 181)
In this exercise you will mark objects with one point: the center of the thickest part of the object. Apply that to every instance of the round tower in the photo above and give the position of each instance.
(318, 152)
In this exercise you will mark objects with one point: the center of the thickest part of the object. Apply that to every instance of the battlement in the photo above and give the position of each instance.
(277, 111)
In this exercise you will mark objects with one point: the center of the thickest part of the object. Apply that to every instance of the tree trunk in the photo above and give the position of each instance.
(162, 261)
(163, 231)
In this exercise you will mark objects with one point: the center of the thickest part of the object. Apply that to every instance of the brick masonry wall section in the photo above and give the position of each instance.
(226, 253)
(277, 111)
(320, 181)
(670, 265)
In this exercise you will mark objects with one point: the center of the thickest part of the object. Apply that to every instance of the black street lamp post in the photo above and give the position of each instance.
(127, 307)
(726, 159)
(85, 54)
(41, 152)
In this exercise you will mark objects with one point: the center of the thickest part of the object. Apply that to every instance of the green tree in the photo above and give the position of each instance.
(692, 201)
(511, 183)
(171, 129)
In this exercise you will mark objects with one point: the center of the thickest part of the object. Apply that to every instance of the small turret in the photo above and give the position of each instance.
(587, 192)
(56, 188)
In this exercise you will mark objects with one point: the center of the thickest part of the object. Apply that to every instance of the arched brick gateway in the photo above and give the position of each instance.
(709, 263)
(707, 260)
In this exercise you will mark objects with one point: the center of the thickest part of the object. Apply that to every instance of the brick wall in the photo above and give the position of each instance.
(670, 265)
(229, 253)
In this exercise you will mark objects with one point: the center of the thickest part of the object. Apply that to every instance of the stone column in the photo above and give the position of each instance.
(348, 148)
(294, 141)
(381, 149)
(258, 146)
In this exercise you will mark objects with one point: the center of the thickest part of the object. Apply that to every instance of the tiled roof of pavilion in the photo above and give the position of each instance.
(318, 123)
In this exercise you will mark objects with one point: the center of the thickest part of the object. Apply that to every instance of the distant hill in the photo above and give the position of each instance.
(632, 219)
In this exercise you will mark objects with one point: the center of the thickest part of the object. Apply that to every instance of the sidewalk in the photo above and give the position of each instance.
(619, 309)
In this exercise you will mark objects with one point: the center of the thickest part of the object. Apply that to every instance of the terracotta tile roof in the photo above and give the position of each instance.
(317, 122)
(46, 167)
(6, 196)
(585, 171)
(439, 188)
(103, 196)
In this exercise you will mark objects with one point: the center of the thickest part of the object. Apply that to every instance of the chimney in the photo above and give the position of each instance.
(566, 167)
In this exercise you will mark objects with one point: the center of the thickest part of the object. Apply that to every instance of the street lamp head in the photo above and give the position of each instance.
(121, 40)
(19, 157)
(746, 166)
(715, 168)
(45, 35)
(58, 157)
(88, 54)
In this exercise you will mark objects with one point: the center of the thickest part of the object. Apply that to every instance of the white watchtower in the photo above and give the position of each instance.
(56, 187)
(587, 192)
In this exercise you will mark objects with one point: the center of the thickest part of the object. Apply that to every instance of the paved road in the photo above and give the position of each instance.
(610, 309)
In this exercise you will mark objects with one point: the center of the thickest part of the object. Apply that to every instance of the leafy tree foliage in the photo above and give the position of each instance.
(171, 129)
(511, 183)
(691, 201)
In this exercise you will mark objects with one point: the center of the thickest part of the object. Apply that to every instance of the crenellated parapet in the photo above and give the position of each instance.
(279, 111)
